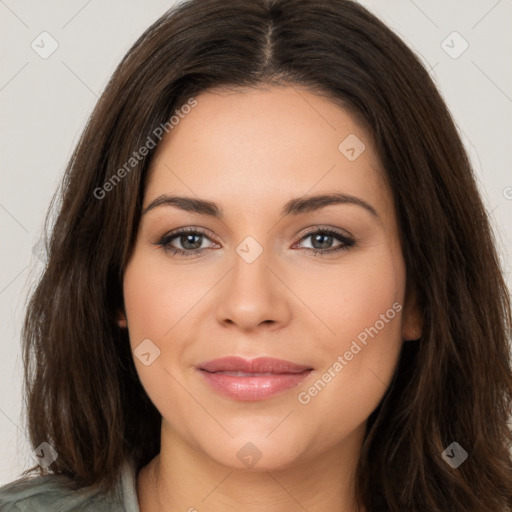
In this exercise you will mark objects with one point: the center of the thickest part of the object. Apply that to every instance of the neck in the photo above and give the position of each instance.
(182, 478)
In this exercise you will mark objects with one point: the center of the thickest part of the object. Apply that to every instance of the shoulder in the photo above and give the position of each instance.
(54, 494)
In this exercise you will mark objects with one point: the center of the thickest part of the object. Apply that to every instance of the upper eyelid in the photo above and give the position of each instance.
(311, 230)
(193, 230)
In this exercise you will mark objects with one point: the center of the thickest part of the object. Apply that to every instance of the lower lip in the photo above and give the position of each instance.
(252, 388)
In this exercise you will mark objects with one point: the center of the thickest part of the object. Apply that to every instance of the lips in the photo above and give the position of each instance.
(254, 379)
(259, 365)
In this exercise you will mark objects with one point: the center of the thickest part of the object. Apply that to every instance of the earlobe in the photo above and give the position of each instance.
(412, 320)
(412, 335)
(121, 320)
(411, 331)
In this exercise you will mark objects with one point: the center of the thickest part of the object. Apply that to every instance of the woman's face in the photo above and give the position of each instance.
(249, 284)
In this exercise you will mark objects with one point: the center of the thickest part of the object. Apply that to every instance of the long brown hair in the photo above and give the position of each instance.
(454, 384)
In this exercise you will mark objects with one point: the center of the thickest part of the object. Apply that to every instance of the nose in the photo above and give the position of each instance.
(253, 293)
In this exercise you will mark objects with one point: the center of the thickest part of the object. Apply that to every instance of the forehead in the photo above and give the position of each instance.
(256, 148)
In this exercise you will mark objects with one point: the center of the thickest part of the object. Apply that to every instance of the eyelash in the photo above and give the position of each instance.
(165, 241)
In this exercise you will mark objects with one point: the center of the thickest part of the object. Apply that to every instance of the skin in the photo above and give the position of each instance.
(251, 151)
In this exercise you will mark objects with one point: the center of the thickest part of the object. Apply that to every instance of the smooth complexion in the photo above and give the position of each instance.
(250, 152)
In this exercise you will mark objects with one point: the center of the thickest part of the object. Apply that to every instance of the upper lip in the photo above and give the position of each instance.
(257, 365)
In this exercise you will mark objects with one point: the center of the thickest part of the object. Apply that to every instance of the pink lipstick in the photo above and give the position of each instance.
(251, 380)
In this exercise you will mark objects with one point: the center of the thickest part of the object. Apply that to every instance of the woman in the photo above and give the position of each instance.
(273, 282)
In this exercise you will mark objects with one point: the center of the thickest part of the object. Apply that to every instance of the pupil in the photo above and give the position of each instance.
(187, 239)
(317, 238)
(324, 245)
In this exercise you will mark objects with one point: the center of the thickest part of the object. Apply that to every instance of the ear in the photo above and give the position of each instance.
(121, 320)
(412, 318)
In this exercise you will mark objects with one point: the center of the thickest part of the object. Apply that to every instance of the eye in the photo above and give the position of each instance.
(322, 240)
(190, 239)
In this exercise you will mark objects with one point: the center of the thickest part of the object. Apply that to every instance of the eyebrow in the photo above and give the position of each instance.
(294, 206)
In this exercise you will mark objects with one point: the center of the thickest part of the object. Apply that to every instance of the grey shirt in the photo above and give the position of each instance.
(49, 494)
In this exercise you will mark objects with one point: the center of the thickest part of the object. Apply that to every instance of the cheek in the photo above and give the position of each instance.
(155, 299)
(156, 303)
(351, 297)
(358, 352)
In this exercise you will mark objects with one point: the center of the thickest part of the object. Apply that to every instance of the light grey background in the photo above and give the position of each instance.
(44, 105)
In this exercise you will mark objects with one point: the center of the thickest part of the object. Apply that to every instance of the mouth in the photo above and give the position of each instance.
(251, 380)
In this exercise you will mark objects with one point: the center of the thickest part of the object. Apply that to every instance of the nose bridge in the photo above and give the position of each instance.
(250, 250)
(251, 294)
(250, 272)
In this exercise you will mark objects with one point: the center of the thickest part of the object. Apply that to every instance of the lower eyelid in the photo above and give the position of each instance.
(345, 242)
(176, 236)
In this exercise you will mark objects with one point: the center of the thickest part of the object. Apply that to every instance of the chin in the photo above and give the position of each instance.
(255, 453)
